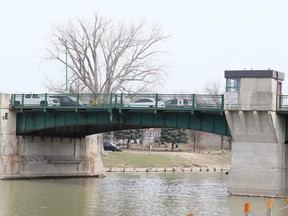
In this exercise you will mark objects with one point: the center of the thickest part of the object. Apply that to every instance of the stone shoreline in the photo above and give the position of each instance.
(169, 169)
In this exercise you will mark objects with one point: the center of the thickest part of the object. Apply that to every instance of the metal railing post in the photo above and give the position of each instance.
(116, 99)
(110, 100)
(280, 102)
(12, 100)
(121, 100)
(77, 99)
(193, 100)
(156, 105)
(22, 102)
(46, 102)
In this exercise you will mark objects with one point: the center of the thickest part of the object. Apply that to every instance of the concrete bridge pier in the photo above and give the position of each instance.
(259, 163)
(28, 157)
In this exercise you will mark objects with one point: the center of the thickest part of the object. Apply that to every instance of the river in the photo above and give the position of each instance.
(127, 194)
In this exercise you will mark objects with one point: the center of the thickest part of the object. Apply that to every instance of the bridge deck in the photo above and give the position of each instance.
(83, 114)
(87, 114)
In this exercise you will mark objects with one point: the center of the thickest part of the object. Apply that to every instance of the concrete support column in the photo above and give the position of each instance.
(259, 165)
(259, 169)
(31, 156)
(9, 148)
(48, 157)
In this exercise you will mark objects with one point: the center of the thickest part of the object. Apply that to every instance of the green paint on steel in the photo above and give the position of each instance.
(108, 112)
(286, 132)
(103, 112)
(63, 123)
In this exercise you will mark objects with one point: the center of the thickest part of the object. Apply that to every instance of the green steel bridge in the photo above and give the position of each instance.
(78, 115)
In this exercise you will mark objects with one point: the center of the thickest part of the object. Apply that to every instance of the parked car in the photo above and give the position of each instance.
(35, 100)
(67, 100)
(178, 103)
(147, 102)
(108, 146)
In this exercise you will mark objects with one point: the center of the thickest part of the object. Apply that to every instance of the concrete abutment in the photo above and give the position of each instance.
(34, 157)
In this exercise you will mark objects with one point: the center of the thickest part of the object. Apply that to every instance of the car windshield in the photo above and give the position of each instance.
(143, 100)
(173, 101)
(73, 99)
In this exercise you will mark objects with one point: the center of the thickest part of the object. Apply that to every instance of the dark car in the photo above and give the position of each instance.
(108, 146)
(66, 100)
(178, 103)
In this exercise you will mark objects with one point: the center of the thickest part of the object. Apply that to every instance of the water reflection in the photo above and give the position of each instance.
(127, 194)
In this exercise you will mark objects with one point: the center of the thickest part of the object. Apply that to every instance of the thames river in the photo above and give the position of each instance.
(129, 194)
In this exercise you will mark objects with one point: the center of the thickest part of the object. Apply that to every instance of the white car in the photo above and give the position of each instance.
(147, 102)
(35, 100)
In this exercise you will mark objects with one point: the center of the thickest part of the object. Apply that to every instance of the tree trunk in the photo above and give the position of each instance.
(172, 146)
(128, 144)
(222, 142)
(142, 137)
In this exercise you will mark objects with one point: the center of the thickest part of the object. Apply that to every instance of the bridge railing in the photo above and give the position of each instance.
(118, 100)
(283, 102)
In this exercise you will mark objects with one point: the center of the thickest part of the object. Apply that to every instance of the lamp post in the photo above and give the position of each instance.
(65, 42)
(66, 68)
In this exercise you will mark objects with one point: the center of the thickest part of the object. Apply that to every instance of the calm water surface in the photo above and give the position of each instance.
(128, 194)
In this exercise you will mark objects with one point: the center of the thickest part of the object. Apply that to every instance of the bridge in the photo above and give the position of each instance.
(49, 134)
(97, 113)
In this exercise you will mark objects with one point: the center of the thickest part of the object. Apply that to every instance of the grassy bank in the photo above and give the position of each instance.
(142, 159)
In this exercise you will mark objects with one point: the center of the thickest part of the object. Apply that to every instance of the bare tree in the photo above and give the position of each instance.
(229, 139)
(214, 88)
(104, 58)
(195, 137)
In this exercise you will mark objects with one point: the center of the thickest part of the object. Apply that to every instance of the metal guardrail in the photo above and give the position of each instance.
(283, 103)
(122, 101)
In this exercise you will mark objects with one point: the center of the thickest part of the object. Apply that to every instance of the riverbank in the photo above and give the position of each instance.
(164, 161)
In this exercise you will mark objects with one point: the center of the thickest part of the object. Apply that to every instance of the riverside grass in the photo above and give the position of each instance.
(142, 160)
(154, 159)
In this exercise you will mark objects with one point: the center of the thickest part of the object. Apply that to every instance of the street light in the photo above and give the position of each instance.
(65, 42)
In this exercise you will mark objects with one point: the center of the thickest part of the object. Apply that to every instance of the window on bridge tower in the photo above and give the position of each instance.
(5, 117)
(233, 85)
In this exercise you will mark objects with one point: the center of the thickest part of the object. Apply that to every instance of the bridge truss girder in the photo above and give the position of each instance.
(80, 123)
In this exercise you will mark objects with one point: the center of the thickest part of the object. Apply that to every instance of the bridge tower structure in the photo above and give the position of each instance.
(34, 156)
(259, 165)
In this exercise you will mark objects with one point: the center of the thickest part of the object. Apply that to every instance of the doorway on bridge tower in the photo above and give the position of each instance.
(251, 104)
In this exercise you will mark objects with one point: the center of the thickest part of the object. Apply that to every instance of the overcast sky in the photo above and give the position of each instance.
(207, 37)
